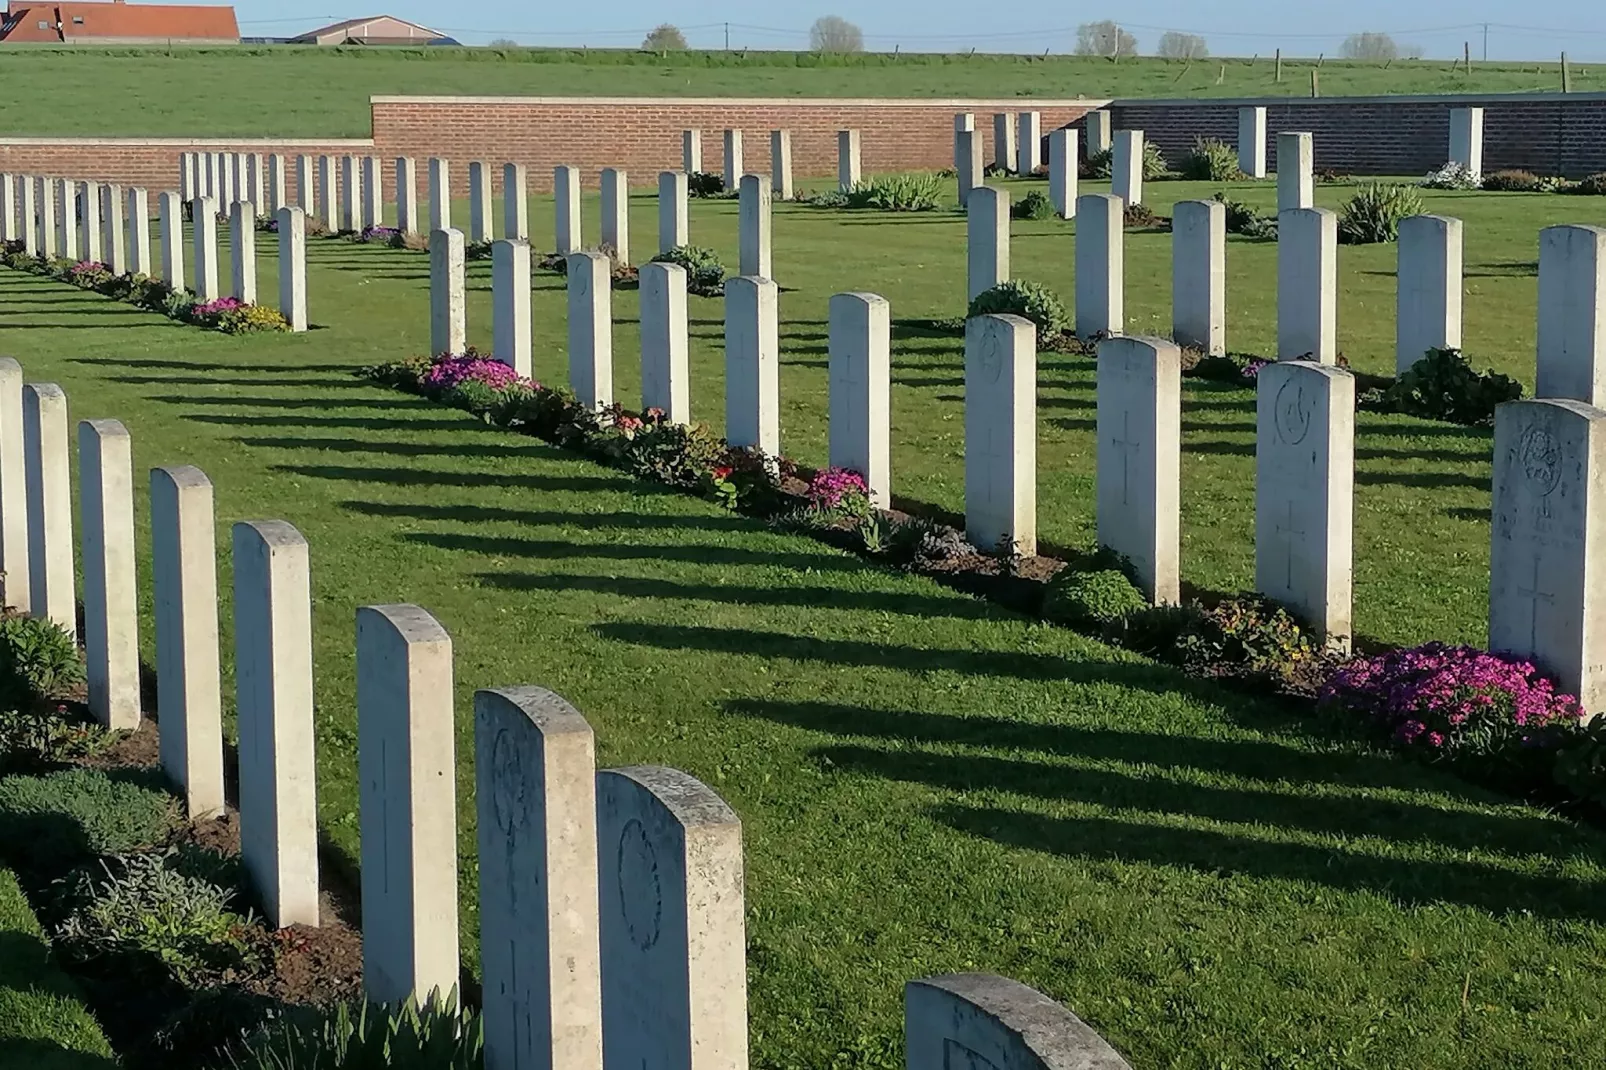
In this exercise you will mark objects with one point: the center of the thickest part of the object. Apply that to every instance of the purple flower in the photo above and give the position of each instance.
(1252, 369)
(449, 372)
(217, 308)
(831, 485)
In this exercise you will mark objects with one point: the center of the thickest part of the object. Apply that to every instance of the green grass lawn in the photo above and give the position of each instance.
(43, 1023)
(927, 782)
(320, 92)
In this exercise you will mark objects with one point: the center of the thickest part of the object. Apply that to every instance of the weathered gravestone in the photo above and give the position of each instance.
(515, 202)
(1001, 433)
(986, 240)
(1307, 285)
(50, 556)
(293, 266)
(1030, 132)
(973, 1021)
(1126, 167)
(590, 295)
(111, 607)
(674, 228)
(447, 316)
(1100, 265)
(733, 158)
(480, 226)
(1296, 182)
(566, 209)
(440, 194)
(616, 213)
(406, 195)
(203, 238)
(753, 227)
(847, 159)
(665, 375)
(243, 250)
(14, 557)
(860, 370)
(1199, 276)
(781, 164)
(752, 364)
(1572, 314)
(510, 304)
(1428, 295)
(1062, 171)
(1139, 460)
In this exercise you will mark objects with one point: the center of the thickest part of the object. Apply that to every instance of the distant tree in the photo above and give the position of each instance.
(1370, 46)
(833, 33)
(1175, 45)
(665, 38)
(503, 42)
(1106, 39)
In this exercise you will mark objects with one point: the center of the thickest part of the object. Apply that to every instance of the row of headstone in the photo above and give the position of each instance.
(612, 916)
(849, 167)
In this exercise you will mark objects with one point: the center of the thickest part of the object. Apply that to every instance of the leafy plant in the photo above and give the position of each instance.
(1035, 205)
(140, 912)
(834, 197)
(53, 822)
(918, 191)
(1211, 160)
(1242, 219)
(1443, 385)
(705, 184)
(440, 1036)
(1101, 164)
(677, 454)
(1023, 297)
(839, 491)
(252, 319)
(38, 660)
(1142, 217)
(1513, 181)
(1374, 213)
(1244, 636)
(1581, 762)
(705, 275)
(1593, 186)
(1093, 599)
(38, 737)
(1451, 176)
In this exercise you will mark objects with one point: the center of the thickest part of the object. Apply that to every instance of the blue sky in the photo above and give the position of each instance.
(1538, 30)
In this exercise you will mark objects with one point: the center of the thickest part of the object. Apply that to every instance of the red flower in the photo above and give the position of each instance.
(722, 472)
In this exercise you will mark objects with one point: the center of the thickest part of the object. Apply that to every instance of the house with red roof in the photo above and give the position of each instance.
(113, 22)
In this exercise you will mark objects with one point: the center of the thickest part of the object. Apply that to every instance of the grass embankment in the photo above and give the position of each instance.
(295, 91)
(44, 1024)
(927, 783)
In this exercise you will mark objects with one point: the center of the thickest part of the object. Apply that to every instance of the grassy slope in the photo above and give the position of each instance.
(305, 92)
(927, 783)
(43, 1024)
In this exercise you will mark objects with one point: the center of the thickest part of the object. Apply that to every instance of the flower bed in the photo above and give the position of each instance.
(227, 314)
(1494, 717)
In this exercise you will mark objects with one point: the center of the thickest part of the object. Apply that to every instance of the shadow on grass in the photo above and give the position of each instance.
(485, 514)
(354, 423)
(506, 446)
(48, 1055)
(429, 477)
(698, 554)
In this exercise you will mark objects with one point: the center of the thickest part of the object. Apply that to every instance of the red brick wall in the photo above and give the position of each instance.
(644, 136)
(1549, 134)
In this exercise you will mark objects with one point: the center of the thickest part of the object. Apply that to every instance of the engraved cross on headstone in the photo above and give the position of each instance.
(1127, 447)
(1290, 531)
(1534, 594)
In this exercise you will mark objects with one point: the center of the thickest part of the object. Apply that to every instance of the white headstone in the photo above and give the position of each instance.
(276, 184)
(752, 364)
(1428, 312)
(407, 804)
(566, 206)
(860, 367)
(66, 220)
(274, 700)
(139, 233)
(170, 232)
(45, 229)
(1304, 493)
(1098, 124)
(847, 159)
(373, 192)
(733, 158)
(972, 172)
(293, 267)
(1004, 141)
(406, 195)
(1572, 314)
(753, 226)
(540, 948)
(1030, 134)
(1139, 460)
(186, 176)
(1466, 139)
(1307, 285)
(515, 202)
(351, 199)
(111, 607)
(14, 558)
(1548, 542)
(510, 304)
(89, 225)
(1100, 265)
(1296, 183)
(44, 445)
(973, 1021)
(328, 194)
(665, 375)
(440, 194)
(29, 206)
(781, 164)
(691, 151)
(1063, 171)
(203, 234)
(113, 251)
(673, 219)
(1199, 276)
(306, 198)
(986, 240)
(188, 687)
(243, 250)
(448, 328)
(480, 225)
(616, 213)
(674, 962)
(1001, 433)
(591, 328)
(1126, 166)
(1252, 141)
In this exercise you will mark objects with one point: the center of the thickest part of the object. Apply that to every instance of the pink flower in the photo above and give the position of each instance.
(830, 486)
(449, 372)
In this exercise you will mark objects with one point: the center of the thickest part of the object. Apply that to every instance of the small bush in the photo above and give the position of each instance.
(1444, 386)
(1021, 297)
(1242, 219)
(840, 492)
(1374, 213)
(139, 913)
(1035, 205)
(919, 191)
(51, 823)
(1091, 600)
(1581, 762)
(705, 184)
(39, 737)
(1593, 186)
(1102, 164)
(1513, 181)
(705, 275)
(252, 319)
(38, 660)
(1211, 160)
(1246, 637)
(1157, 630)
(437, 1037)
(1451, 176)
(1142, 217)
(828, 198)
(677, 454)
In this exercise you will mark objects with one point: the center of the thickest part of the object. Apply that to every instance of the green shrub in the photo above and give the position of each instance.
(1374, 213)
(1242, 219)
(828, 198)
(38, 737)
(705, 184)
(1244, 636)
(438, 1037)
(1035, 205)
(1443, 385)
(1211, 160)
(1101, 164)
(38, 660)
(1157, 630)
(1513, 181)
(677, 454)
(51, 823)
(917, 191)
(705, 275)
(1581, 762)
(1021, 297)
(1091, 599)
(1593, 186)
(141, 914)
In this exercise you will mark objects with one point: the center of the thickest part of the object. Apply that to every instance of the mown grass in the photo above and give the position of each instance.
(927, 782)
(44, 1024)
(293, 91)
